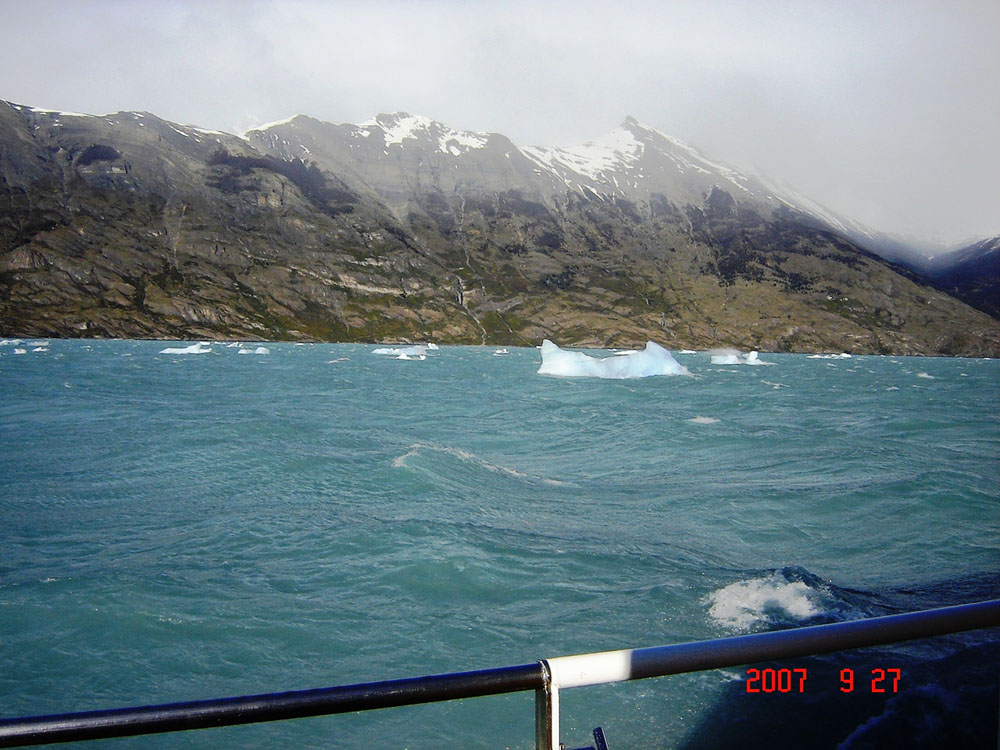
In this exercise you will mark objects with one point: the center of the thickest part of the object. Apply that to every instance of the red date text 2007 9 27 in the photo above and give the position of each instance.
(794, 680)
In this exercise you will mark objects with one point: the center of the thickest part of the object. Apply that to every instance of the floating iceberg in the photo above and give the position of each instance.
(728, 358)
(653, 360)
(404, 352)
(201, 347)
(733, 357)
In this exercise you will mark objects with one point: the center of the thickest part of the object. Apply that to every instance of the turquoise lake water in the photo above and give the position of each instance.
(178, 527)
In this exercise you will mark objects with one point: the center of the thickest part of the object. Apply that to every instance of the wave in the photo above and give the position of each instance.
(703, 420)
(785, 597)
(405, 462)
(946, 693)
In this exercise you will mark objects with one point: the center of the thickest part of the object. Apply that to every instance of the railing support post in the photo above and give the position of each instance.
(547, 712)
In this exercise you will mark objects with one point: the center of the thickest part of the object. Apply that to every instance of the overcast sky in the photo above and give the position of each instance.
(886, 111)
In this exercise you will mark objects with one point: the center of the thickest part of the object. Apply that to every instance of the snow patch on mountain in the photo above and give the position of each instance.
(617, 151)
(268, 126)
(53, 112)
(403, 126)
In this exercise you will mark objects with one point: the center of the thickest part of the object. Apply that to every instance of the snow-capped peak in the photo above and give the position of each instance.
(612, 152)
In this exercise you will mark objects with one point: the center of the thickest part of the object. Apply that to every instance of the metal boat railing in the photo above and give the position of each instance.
(546, 677)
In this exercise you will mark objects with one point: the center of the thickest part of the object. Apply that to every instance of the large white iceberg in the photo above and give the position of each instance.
(653, 360)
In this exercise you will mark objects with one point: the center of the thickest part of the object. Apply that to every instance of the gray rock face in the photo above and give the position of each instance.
(401, 229)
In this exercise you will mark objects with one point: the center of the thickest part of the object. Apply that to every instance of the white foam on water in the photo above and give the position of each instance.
(400, 462)
(703, 420)
(653, 360)
(743, 604)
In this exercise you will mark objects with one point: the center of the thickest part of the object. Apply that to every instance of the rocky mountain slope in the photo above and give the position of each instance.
(401, 228)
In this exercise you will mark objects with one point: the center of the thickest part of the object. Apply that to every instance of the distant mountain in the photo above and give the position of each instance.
(971, 274)
(402, 228)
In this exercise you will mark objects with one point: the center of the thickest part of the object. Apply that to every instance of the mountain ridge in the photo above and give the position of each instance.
(401, 228)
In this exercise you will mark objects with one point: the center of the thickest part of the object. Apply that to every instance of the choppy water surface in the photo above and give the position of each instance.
(177, 527)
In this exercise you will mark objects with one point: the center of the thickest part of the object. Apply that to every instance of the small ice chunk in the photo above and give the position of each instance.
(201, 347)
(417, 350)
(653, 360)
(258, 350)
(726, 358)
(733, 357)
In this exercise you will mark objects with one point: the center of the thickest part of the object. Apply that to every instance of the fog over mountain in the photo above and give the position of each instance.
(881, 112)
